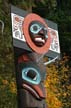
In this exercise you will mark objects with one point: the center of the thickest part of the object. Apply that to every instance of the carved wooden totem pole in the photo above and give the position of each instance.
(33, 38)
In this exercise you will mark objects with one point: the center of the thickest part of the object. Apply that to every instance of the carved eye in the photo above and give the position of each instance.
(31, 74)
(35, 28)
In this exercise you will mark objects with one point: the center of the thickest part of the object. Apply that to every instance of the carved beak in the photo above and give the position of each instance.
(35, 90)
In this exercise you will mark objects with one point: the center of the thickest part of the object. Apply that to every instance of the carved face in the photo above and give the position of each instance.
(29, 77)
(36, 33)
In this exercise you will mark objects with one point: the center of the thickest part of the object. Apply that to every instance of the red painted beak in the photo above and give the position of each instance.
(35, 90)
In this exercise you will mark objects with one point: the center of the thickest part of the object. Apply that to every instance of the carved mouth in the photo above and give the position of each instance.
(39, 39)
(35, 90)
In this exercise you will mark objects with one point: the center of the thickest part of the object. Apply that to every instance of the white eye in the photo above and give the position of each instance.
(35, 28)
(35, 79)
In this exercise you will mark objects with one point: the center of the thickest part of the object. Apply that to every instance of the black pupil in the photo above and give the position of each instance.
(31, 74)
(35, 28)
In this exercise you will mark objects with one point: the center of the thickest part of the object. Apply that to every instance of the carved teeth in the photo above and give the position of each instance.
(40, 39)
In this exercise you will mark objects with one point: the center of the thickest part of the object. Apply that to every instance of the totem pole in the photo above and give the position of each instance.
(33, 39)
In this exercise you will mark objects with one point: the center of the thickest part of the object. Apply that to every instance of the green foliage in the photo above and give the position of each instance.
(58, 84)
(64, 75)
(61, 14)
(8, 96)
